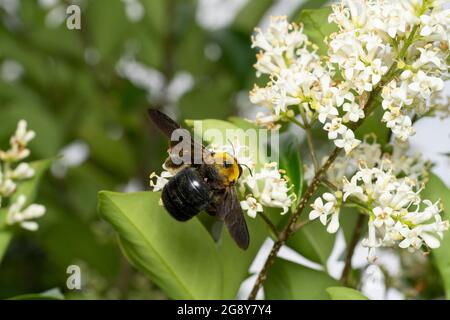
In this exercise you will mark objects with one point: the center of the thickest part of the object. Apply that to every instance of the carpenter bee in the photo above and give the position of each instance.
(202, 181)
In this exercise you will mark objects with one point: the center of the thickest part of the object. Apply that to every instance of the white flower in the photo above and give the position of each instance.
(23, 171)
(371, 242)
(7, 187)
(320, 210)
(435, 25)
(334, 128)
(347, 141)
(252, 206)
(425, 85)
(18, 215)
(323, 211)
(327, 111)
(383, 217)
(430, 58)
(411, 238)
(354, 112)
(22, 135)
(270, 188)
(18, 142)
(352, 189)
(403, 128)
(279, 44)
(268, 121)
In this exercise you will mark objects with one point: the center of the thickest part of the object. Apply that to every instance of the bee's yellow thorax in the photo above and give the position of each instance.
(227, 167)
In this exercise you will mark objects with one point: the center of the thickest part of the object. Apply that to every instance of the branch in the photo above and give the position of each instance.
(269, 224)
(312, 152)
(307, 127)
(290, 226)
(351, 249)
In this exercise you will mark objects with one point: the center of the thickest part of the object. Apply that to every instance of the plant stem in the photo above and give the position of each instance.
(293, 120)
(311, 149)
(301, 224)
(309, 140)
(269, 224)
(351, 249)
(290, 226)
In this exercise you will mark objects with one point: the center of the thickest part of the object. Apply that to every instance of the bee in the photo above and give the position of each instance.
(206, 185)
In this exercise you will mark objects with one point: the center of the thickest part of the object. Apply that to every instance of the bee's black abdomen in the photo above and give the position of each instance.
(185, 195)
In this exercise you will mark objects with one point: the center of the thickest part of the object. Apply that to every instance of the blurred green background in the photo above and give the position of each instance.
(85, 92)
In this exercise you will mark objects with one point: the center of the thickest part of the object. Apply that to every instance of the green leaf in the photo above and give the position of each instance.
(317, 27)
(436, 189)
(343, 293)
(313, 241)
(181, 258)
(52, 294)
(287, 280)
(291, 162)
(310, 4)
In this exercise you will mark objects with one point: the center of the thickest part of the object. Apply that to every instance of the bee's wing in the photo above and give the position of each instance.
(231, 212)
(167, 126)
(164, 123)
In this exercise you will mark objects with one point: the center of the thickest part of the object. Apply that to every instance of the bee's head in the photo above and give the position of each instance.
(227, 166)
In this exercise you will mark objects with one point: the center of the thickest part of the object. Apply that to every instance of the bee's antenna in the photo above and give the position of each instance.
(249, 170)
(232, 147)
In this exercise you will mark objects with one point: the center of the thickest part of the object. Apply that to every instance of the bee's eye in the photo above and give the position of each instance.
(227, 165)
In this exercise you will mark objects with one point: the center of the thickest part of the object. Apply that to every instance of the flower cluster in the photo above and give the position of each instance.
(374, 34)
(301, 82)
(259, 187)
(268, 188)
(373, 37)
(386, 187)
(397, 215)
(371, 153)
(12, 172)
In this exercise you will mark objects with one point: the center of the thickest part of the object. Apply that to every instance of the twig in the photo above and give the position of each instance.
(312, 153)
(351, 249)
(301, 224)
(269, 224)
(309, 140)
(327, 183)
(290, 226)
